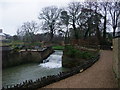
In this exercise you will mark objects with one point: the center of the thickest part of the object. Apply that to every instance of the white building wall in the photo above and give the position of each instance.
(2, 36)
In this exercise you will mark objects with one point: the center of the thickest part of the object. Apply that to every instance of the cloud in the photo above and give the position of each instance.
(15, 12)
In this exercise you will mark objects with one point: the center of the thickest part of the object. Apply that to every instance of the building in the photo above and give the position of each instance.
(2, 35)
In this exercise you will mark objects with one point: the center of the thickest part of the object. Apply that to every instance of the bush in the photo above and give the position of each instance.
(86, 55)
(72, 52)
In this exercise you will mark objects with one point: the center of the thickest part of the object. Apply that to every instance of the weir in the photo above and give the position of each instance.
(52, 75)
(12, 58)
(53, 61)
(51, 66)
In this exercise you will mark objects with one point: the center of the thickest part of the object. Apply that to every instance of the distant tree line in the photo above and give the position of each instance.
(77, 20)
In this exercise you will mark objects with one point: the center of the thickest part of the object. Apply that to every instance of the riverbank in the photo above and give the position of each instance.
(43, 81)
(100, 75)
(19, 74)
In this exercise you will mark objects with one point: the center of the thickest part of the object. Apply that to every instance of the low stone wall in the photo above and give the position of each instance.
(22, 57)
(105, 47)
(116, 59)
(41, 82)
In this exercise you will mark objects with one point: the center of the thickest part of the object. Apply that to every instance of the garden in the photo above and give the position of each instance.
(73, 56)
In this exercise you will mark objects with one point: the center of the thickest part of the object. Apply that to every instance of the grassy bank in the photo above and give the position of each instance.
(73, 57)
(58, 47)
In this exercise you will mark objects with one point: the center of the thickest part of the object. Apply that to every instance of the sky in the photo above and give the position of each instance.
(13, 13)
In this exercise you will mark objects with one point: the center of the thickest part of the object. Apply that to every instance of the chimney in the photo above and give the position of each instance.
(0, 30)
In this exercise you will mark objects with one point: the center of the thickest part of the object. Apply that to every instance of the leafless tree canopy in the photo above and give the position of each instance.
(85, 19)
(27, 30)
(50, 16)
(114, 9)
(74, 10)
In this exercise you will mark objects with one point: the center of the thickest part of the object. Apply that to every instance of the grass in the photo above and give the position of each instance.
(12, 43)
(20, 43)
(58, 47)
(72, 52)
(73, 56)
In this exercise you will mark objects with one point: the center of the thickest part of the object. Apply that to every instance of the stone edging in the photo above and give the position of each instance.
(41, 82)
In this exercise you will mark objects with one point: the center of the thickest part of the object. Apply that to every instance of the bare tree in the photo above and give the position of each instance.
(74, 10)
(27, 30)
(50, 15)
(97, 19)
(114, 10)
(104, 11)
(65, 21)
(88, 14)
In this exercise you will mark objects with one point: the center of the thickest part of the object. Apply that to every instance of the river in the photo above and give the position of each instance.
(50, 66)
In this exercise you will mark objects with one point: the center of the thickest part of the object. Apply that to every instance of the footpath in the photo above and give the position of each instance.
(100, 75)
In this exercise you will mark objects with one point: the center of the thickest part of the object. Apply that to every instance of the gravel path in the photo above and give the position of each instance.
(100, 75)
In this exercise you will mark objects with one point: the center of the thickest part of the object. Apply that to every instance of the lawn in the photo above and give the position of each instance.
(58, 47)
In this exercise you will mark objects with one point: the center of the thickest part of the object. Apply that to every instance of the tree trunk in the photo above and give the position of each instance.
(114, 29)
(75, 33)
(89, 28)
(104, 30)
(98, 34)
(51, 34)
(86, 33)
(67, 36)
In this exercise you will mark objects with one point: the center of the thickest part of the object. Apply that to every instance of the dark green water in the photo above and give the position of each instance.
(52, 65)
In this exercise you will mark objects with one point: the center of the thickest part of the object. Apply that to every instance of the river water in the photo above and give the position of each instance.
(51, 66)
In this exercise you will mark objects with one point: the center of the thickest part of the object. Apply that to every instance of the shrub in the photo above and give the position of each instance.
(72, 52)
(86, 55)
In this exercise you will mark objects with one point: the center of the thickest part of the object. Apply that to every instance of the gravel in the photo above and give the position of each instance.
(100, 75)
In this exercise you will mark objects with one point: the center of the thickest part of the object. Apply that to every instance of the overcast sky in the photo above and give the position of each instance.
(14, 12)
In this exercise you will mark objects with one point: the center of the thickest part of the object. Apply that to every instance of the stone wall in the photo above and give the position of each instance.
(116, 59)
(41, 82)
(23, 57)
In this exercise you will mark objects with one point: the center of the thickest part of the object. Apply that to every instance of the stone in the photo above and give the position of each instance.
(81, 70)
